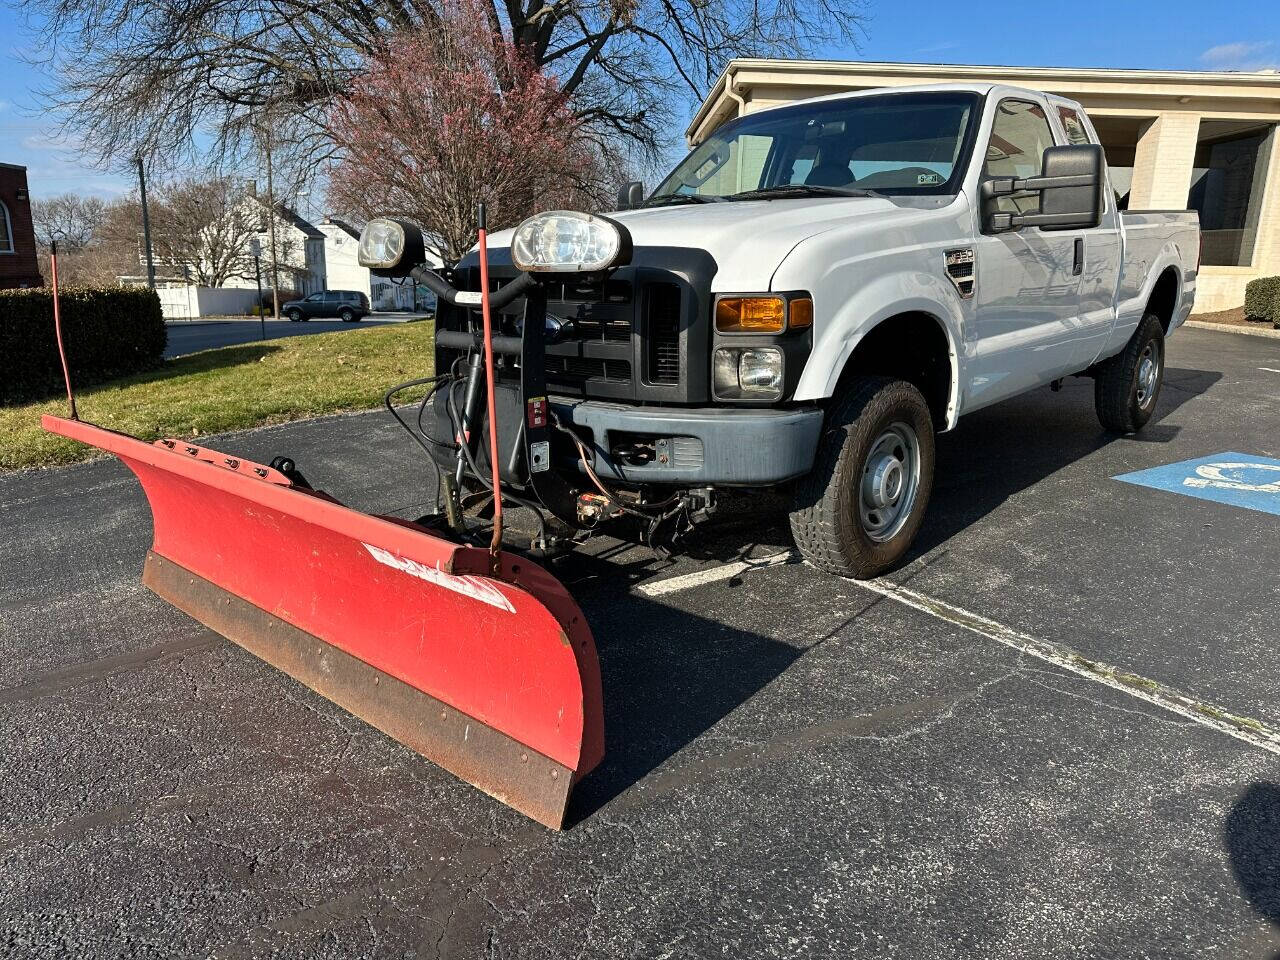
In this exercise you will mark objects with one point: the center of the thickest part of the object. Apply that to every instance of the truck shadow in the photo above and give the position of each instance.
(997, 452)
(1251, 836)
(668, 677)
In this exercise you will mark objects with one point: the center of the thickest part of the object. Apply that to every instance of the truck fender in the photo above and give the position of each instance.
(1129, 314)
(892, 295)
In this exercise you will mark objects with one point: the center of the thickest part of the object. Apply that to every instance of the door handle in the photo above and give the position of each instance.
(1077, 267)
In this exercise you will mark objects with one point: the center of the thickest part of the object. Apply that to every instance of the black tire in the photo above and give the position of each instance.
(347, 316)
(295, 316)
(1123, 393)
(826, 519)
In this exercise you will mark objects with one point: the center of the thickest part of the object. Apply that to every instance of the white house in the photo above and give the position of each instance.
(312, 258)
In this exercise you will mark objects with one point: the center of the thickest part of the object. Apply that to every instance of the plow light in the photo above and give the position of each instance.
(390, 247)
(566, 241)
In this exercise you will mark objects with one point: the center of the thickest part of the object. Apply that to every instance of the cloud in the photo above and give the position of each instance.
(937, 47)
(40, 141)
(1242, 55)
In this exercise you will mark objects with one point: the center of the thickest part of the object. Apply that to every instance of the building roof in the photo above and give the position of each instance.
(12, 166)
(343, 226)
(293, 218)
(769, 80)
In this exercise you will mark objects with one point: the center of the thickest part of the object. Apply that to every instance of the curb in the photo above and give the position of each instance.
(1232, 328)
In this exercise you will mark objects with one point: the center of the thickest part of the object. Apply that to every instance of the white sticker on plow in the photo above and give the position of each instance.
(475, 587)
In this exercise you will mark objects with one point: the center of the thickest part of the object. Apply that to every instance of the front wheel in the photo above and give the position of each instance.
(1127, 385)
(859, 509)
(295, 316)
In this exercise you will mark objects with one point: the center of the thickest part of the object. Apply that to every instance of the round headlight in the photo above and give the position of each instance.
(381, 244)
(565, 241)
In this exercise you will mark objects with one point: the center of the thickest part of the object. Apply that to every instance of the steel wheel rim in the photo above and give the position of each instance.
(889, 482)
(1148, 375)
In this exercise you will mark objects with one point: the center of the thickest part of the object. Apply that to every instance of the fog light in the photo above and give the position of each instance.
(747, 374)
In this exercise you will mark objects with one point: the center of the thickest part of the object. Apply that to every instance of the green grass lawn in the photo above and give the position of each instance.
(229, 389)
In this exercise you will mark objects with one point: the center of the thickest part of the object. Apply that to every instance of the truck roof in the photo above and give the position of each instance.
(982, 87)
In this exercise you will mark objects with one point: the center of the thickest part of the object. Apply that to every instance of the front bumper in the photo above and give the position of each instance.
(706, 445)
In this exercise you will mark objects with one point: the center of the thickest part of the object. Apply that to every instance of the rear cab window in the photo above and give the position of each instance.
(1074, 126)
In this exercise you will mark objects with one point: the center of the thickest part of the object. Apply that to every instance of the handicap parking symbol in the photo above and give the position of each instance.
(1238, 479)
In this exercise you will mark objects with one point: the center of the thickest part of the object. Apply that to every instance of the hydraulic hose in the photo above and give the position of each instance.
(503, 296)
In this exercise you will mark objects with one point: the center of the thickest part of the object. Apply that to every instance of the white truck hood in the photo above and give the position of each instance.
(749, 239)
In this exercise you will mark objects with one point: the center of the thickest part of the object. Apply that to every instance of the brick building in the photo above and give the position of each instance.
(18, 267)
(1173, 139)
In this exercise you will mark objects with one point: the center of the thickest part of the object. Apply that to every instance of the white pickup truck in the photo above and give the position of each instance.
(819, 287)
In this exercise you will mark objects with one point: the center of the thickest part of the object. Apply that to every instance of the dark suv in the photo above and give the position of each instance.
(347, 305)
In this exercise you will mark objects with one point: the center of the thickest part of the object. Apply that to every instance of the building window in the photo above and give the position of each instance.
(6, 230)
(1228, 184)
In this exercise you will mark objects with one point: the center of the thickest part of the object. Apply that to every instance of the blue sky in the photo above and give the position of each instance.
(1153, 34)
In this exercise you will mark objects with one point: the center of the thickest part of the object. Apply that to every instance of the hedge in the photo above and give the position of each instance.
(1262, 300)
(108, 333)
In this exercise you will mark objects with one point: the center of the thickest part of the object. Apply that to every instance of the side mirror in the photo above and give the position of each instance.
(1070, 188)
(631, 195)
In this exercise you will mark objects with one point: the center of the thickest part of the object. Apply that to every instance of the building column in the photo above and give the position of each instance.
(1162, 162)
(1265, 219)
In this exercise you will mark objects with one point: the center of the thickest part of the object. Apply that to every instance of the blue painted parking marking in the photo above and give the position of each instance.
(1238, 479)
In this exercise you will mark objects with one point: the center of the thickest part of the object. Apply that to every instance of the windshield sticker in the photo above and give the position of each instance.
(928, 179)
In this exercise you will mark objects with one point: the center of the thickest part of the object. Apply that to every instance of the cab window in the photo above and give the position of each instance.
(1073, 125)
(1019, 135)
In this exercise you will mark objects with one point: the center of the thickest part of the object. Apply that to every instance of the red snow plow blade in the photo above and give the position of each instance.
(493, 676)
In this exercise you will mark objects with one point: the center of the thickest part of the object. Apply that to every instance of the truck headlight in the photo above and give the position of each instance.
(566, 241)
(741, 373)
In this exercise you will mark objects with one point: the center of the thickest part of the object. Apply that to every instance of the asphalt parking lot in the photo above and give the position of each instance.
(189, 336)
(797, 766)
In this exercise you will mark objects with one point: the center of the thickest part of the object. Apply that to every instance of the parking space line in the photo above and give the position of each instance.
(712, 574)
(1269, 369)
(1200, 712)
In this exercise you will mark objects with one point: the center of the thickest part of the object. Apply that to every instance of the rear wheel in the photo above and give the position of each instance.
(347, 316)
(1127, 385)
(859, 509)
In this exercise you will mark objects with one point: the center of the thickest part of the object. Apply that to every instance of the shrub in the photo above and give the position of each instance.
(1262, 300)
(108, 332)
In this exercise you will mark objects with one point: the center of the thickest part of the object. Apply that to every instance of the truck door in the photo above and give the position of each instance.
(1097, 254)
(1025, 329)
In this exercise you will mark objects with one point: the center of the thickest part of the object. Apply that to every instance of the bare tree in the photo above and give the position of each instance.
(69, 218)
(446, 119)
(148, 74)
(102, 241)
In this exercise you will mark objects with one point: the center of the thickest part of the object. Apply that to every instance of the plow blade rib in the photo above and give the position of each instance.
(493, 677)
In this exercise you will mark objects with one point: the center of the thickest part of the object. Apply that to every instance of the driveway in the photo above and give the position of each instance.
(189, 336)
(1017, 745)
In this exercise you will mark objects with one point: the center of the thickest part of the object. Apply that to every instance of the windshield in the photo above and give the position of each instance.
(904, 143)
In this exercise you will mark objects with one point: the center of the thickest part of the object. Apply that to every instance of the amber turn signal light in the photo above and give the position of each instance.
(751, 315)
(801, 313)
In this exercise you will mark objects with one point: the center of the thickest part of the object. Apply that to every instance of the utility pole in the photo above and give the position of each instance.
(271, 205)
(256, 246)
(146, 225)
